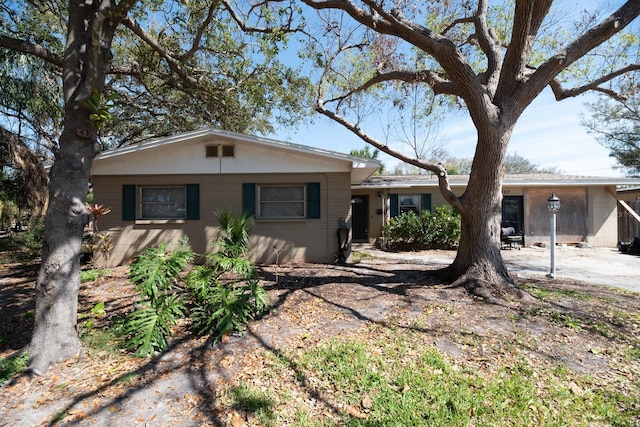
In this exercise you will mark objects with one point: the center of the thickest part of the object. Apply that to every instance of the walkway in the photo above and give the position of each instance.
(602, 266)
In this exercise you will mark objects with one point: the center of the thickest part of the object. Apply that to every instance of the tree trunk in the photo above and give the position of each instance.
(478, 265)
(55, 336)
(87, 56)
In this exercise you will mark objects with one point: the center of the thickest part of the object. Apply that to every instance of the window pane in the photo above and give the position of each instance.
(163, 203)
(409, 203)
(282, 210)
(282, 201)
(409, 200)
(282, 193)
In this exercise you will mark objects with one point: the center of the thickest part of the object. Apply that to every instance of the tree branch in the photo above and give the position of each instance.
(488, 44)
(615, 23)
(528, 17)
(195, 45)
(174, 64)
(49, 57)
(443, 50)
(561, 93)
(437, 168)
(438, 84)
(32, 49)
(286, 28)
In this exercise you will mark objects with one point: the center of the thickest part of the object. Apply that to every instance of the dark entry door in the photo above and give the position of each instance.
(360, 212)
(513, 213)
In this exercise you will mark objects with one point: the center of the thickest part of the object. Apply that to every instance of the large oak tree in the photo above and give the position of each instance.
(193, 63)
(492, 59)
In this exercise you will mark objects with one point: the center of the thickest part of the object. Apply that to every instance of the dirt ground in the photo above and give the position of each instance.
(311, 302)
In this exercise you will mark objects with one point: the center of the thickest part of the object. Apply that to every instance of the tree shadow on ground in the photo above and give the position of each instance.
(185, 383)
(17, 295)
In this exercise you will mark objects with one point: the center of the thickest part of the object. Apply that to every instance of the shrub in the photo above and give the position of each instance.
(439, 229)
(223, 295)
(156, 272)
(222, 308)
(225, 291)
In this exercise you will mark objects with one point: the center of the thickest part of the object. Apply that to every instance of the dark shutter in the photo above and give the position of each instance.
(249, 198)
(393, 205)
(128, 202)
(426, 202)
(313, 200)
(193, 201)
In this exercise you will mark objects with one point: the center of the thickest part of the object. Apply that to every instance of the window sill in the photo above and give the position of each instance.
(281, 220)
(159, 221)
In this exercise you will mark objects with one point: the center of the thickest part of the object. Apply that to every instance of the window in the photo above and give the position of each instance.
(402, 203)
(409, 203)
(163, 203)
(281, 201)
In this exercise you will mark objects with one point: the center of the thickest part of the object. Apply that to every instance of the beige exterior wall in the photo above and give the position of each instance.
(310, 240)
(603, 217)
(513, 191)
(589, 213)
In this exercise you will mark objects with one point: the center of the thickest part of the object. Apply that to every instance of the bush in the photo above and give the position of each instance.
(437, 229)
(156, 272)
(225, 291)
(222, 296)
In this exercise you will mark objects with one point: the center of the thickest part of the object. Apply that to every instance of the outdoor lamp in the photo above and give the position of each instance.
(553, 204)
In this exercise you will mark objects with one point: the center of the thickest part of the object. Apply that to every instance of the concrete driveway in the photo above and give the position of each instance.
(601, 266)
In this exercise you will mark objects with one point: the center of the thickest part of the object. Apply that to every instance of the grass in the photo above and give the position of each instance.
(552, 295)
(392, 378)
(93, 274)
(108, 339)
(12, 366)
(249, 399)
(358, 256)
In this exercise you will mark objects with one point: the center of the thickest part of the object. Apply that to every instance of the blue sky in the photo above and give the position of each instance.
(548, 134)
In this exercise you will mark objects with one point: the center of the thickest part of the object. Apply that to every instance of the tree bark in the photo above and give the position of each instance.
(478, 265)
(91, 28)
(55, 337)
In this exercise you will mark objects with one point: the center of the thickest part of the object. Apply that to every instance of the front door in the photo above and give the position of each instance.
(360, 222)
(513, 213)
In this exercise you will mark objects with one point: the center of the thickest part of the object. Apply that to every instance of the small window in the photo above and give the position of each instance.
(281, 201)
(409, 203)
(228, 151)
(163, 203)
(212, 151)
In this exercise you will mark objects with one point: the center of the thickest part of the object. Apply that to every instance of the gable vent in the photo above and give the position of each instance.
(212, 151)
(220, 151)
(228, 151)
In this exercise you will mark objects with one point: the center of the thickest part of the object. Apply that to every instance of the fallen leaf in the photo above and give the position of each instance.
(354, 411)
(575, 389)
(367, 402)
(237, 420)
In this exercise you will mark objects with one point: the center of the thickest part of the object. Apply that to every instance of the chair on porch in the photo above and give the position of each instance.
(510, 239)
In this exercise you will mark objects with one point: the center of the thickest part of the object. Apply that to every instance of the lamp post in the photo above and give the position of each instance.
(553, 204)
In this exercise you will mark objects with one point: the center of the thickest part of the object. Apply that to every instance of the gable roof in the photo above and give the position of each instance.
(185, 153)
(512, 180)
